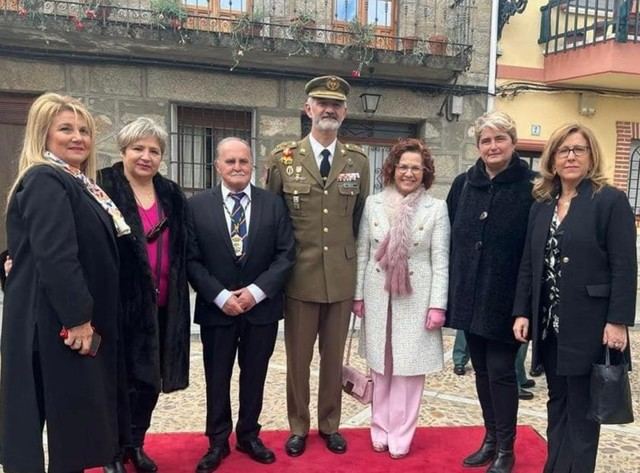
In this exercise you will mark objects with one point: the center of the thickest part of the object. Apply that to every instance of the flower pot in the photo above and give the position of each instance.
(408, 44)
(438, 44)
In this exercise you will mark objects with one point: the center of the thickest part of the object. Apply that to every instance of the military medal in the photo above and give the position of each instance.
(289, 170)
(236, 242)
(298, 169)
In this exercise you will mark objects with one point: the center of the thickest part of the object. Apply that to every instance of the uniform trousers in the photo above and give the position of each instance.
(303, 323)
(396, 404)
(572, 439)
(496, 384)
(254, 345)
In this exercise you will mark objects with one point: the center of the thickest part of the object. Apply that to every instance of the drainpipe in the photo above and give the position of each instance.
(493, 55)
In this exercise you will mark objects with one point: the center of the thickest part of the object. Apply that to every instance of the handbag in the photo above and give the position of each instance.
(610, 392)
(358, 385)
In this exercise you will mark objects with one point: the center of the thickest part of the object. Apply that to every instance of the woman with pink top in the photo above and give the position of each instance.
(401, 292)
(154, 290)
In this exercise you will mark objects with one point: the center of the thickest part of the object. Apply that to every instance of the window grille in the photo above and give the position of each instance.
(198, 132)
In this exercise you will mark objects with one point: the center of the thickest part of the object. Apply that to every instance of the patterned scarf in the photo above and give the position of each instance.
(393, 252)
(96, 192)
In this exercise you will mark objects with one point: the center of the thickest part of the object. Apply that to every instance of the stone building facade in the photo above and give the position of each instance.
(125, 66)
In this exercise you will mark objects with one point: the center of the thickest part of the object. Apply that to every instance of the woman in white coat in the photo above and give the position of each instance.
(401, 292)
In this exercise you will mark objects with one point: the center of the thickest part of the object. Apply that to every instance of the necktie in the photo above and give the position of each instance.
(238, 224)
(325, 167)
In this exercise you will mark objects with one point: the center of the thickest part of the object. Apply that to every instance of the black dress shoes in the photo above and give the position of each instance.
(257, 451)
(485, 454)
(295, 445)
(212, 459)
(536, 371)
(459, 370)
(335, 442)
(141, 461)
(528, 384)
(503, 463)
(115, 467)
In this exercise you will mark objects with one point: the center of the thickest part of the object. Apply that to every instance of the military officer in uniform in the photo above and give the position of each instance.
(324, 184)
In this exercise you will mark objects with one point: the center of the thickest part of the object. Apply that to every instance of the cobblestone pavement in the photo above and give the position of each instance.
(448, 400)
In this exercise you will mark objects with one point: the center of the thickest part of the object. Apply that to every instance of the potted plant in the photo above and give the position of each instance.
(361, 37)
(301, 30)
(438, 44)
(245, 27)
(169, 13)
(408, 43)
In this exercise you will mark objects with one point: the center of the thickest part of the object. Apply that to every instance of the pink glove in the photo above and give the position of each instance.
(435, 319)
(358, 308)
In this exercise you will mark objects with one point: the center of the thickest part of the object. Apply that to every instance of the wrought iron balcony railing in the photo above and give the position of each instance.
(572, 24)
(317, 33)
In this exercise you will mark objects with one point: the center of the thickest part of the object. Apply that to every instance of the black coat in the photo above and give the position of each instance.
(598, 282)
(142, 337)
(488, 228)
(213, 266)
(65, 273)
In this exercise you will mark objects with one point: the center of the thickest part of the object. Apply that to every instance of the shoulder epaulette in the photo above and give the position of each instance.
(284, 145)
(355, 148)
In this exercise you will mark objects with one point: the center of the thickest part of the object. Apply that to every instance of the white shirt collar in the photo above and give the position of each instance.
(317, 148)
(226, 191)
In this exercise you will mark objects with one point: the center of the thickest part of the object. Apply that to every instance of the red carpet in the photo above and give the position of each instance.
(434, 450)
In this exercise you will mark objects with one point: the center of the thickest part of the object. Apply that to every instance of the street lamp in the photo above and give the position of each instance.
(370, 102)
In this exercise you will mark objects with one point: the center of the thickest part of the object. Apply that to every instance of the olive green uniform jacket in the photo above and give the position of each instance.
(325, 217)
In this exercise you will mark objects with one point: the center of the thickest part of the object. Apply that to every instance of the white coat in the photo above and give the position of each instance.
(416, 350)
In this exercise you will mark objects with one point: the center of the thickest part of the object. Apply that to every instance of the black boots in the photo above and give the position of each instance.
(484, 454)
(141, 461)
(503, 463)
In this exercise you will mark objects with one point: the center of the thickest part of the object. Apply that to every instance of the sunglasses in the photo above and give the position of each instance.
(154, 233)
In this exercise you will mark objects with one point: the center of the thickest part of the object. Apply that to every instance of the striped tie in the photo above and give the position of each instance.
(238, 221)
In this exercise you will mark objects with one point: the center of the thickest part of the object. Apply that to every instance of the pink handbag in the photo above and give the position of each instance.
(356, 384)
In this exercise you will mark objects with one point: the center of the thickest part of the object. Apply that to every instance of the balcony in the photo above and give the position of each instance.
(593, 43)
(274, 37)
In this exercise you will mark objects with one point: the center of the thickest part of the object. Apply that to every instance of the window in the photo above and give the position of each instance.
(633, 190)
(197, 134)
(532, 158)
(217, 7)
(376, 12)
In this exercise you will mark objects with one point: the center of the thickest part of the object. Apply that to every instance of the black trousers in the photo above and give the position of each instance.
(142, 397)
(494, 364)
(572, 439)
(254, 345)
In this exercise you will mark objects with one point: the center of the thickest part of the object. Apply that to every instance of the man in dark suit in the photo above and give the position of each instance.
(242, 249)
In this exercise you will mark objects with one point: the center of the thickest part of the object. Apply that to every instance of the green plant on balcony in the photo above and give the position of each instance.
(245, 27)
(301, 30)
(169, 13)
(361, 37)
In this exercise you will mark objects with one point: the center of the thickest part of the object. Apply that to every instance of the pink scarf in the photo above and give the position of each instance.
(393, 252)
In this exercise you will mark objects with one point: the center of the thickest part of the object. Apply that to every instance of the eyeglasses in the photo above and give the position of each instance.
(578, 151)
(403, 168)
(154, 233)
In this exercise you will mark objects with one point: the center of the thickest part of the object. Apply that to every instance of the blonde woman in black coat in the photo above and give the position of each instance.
(62, 232)
(576, 288)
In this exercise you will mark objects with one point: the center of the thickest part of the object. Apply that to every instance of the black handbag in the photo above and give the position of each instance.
(610, 392)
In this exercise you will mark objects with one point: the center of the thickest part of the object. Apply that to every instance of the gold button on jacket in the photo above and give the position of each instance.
(321, 275)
